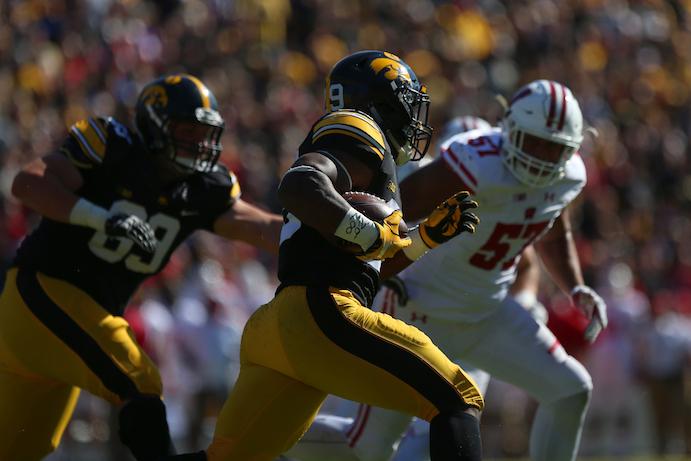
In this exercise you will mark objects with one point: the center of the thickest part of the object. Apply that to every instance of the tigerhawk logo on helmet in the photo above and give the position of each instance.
(391, 64)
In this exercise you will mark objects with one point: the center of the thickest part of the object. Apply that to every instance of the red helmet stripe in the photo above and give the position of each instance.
(525, 92)
(552, 103)
(563, 108)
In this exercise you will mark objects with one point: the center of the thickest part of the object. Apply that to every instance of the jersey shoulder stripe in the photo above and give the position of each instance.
(235, 191)
(91, 136)
(453, 160)
(354, 124)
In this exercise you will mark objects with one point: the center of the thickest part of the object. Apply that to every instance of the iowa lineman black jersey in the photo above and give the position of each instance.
(118, 176)
(306, 257)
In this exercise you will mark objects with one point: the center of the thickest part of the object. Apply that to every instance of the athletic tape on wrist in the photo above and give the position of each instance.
(357, 228)
(418, 248)
(85, 213)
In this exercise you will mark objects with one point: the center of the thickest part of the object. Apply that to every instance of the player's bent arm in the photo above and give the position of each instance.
(250, 224)
(311, 189)
(528, 278)
(308, 190)
(427, 187)
(557, 251)
(393, 266)
(47, 186)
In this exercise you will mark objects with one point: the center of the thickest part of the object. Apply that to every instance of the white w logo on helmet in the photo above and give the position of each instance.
(542, 128)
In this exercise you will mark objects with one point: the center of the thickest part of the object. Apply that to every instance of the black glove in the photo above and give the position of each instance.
(131, 227)
(397, 284)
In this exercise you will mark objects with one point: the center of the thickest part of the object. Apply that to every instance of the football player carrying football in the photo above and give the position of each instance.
(115, 203)
(525, 173)
(318, 335)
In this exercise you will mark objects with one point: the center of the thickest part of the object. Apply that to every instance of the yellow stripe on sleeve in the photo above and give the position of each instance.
(91, 138)
(354, 124)
(348, 132)
(235, 188)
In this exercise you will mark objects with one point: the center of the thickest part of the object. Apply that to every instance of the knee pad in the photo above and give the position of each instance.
(144, 428)
(455, 436)
(572, 379)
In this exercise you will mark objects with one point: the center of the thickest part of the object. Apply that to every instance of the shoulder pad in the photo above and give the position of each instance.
(353, 124)
(224, 182)
(86, 145)
(575, 169)
(475, 156)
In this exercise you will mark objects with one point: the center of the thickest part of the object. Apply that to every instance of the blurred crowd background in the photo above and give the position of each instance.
(628, 63)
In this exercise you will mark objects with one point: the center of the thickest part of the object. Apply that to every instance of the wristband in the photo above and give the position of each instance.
(357, 228)
(418, 248)
(85, 213)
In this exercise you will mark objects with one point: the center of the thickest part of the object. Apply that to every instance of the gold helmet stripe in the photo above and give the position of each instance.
(203, 90)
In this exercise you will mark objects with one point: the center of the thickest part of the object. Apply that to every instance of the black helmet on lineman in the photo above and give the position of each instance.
(383, 86)
(177, 117)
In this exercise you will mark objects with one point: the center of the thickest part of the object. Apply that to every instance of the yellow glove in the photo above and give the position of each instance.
(448, 220)
(389, 241)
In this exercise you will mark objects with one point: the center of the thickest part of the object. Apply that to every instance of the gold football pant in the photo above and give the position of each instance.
(54, 340)
(309, 342)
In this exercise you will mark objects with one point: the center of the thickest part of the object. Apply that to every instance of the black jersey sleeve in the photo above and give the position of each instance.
(213, 193)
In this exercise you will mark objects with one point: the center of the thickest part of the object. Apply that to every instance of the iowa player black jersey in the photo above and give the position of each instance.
(306, 257)
(118, 176)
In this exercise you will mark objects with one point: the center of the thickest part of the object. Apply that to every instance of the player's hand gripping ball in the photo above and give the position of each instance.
(392, 229)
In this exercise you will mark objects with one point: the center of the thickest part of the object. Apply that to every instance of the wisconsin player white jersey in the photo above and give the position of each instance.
(477, 270)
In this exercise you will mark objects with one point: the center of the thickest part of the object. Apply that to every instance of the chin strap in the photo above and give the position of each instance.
(403, 153)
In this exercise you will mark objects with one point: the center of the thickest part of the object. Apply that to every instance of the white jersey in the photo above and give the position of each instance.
(467, 277)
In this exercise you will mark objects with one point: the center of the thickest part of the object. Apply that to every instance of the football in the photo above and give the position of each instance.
(374, 208)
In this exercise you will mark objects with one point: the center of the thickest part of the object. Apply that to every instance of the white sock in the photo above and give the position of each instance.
(556, 431)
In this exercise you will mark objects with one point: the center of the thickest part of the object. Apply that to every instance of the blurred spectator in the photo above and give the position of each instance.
(665, 362)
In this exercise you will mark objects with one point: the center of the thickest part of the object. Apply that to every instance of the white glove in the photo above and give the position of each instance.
(594, 308)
